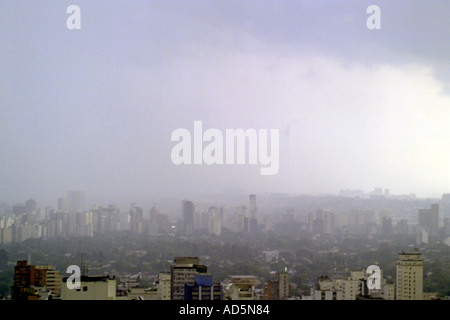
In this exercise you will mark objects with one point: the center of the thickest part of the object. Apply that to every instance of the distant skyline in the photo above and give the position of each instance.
(94, 109)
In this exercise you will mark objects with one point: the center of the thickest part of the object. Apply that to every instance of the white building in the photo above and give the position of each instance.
(91, 288)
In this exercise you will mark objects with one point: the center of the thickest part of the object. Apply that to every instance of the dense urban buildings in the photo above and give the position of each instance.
(190, 280)
(24, 221)
(379, 217)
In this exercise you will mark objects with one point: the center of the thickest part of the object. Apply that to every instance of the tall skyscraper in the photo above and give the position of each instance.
(252, 210)
(252, 205)
(187, 211)
(136, 219)
(409, 284)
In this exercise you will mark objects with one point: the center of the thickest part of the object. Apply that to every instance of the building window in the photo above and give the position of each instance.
(85, 288)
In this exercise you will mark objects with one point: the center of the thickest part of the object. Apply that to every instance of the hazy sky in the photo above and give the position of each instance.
(94, 109)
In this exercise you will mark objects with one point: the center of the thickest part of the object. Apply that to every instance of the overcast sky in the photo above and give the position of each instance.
(94, 109)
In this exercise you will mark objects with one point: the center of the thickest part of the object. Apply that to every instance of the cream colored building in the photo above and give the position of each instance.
(92, 288)
(283, 286)
(328, 289)
(163, 285)
(409, 276)
(216, 226)
(6, 235)
(331, 294)
(241, 287)
(53, 281)
(388, 290)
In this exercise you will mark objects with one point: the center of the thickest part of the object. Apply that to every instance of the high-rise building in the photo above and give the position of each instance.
(447, 226)
(216, 226)
(187, 212)
(252, 205)
(252, 210)
(283, 285)
(35, 282)
(434, 219)
(409, 284)
(75, 201)
(329, 222)
(62, 204)
(182, 272)
(270, 290)
(421, 236)
(54, 282)
(429, 219)
(30, 206)
(163, 284)
(136, 219)
(6, 235)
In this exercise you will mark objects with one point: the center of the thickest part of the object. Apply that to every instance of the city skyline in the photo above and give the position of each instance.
(333, 248)
(93, 109)
(231, 195)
